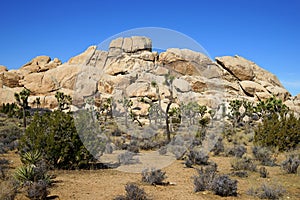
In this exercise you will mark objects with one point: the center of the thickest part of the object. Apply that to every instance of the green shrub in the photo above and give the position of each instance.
(11, 109)
(54, 135)
(278, 131)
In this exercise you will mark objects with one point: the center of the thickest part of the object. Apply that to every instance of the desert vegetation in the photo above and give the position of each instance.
(256, 140)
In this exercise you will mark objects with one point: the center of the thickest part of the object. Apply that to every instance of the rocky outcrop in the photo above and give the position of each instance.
(129, 45)
(129, 68)
(39, 64)
(254, 80)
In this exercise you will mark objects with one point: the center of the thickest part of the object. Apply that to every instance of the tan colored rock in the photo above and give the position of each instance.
(141, 43)
(140, 108)
(9, 79)
(84, 57)
(139, 90)
(198, 84)
(119, 67)
(39, 64)
(117, 43)
(293, 105)
(279, 92)
(181, 85)
(263, 95)
(105, 87)
(3, 68)
(238, 66)
(148, 56)
(36, 64)
(161, 71)
(51, 65)
(8, 94)
(251, 87)
(127, 45)
(266, 76)
(185, 62)
(33, 82)
(63, 76)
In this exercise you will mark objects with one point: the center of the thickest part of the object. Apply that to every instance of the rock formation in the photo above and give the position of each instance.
(130, 67)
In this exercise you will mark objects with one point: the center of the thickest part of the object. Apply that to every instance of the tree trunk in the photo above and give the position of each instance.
(167, 122)
(24, 119)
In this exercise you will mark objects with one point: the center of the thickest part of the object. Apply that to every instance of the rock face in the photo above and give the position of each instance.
(3, 68)
(129, 68)
(239, 67)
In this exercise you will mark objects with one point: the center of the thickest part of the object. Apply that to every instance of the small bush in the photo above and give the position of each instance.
(133, 192)
(147, 144)
(224, 186)
(263, 172)
(133, 146)
(241, 174)
(267, 192)
(154, 176)
(178, 151)
(219, 147)
(163, 150)
(127, 158)
(237, 151)
(264, 155)
(4, 165)
(198, 157)
(291, 164)
(244, 163)
(37, 190)
(205, 178)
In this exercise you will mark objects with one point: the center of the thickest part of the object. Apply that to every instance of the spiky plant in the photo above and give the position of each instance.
(31, 157)
(25, 174)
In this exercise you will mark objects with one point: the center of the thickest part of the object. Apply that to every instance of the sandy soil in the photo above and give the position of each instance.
(108, 183)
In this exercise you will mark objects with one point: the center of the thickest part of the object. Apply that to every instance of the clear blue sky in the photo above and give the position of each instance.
(266, 32)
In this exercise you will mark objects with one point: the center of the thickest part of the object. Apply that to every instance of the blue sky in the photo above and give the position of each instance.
(266, 32)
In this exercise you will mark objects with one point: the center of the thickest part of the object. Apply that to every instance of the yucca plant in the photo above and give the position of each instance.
(24, 174)
(31, 157)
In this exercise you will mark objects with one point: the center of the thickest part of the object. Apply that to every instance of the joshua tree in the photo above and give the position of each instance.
(37, 102)
(108, 105)
(271, 106)
(22, 100)
(169, 82)
(64, 101)
(127, 104)
(153, 107)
